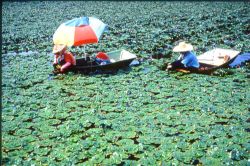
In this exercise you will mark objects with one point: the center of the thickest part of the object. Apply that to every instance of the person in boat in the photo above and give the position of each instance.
(63, 58)
(187, 59)
(102, 58)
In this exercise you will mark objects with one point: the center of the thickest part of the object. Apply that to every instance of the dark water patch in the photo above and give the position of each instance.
(156, 145)
(11, 132)
(247, 130)
(135, 140)
(222, 123)
(32, 129)
(5, 160)
(84, 137)
(168, 96)
(91, 126)
(158, 56)
(81, 161)
(196, 162)
(28, 120)
(191, 141)
(133, 157)
(60, 123)
(239, 80)
(172, 135)
(229, 136)
(106, 126)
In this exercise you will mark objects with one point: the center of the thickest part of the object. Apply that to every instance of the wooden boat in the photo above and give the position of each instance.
(119, 59)
(212, 60)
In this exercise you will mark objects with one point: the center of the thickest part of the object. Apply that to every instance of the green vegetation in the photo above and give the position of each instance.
(137, 116)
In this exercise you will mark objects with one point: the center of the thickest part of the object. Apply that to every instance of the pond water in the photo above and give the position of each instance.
(139, 116)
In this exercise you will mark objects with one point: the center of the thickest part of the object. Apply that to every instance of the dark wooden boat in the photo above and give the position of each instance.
(119, 59)
(212, 60)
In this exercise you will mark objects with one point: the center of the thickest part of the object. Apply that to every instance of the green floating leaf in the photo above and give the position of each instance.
(148, 161)
(7, 146)
(23, 132)
(42, 151)
(128, 145)
(210, 161)
(97, 158)
(129, 134)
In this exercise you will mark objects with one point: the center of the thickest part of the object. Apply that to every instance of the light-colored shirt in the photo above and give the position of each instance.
(189, 59)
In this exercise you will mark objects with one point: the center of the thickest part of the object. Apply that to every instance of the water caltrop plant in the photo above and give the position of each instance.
(141, 115)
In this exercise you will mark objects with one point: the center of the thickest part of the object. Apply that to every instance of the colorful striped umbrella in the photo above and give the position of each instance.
(79, 31)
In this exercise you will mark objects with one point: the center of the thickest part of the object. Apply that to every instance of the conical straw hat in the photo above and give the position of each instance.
(183, 47)
(58, 47)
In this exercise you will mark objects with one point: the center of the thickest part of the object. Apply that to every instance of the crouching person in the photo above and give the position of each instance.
(63, 59)
(102, 58)
(187, 59)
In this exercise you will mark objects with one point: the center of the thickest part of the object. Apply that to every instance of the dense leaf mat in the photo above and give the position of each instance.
(136, 116)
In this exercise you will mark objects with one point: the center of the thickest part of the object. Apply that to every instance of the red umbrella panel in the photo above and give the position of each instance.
(79, 31)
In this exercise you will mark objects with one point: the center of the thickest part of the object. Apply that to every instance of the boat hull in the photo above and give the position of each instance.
(118, 59)
(93, 67)
(212, 60)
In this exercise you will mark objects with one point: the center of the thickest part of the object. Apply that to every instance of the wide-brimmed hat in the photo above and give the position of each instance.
(183, 47)
(58, 47)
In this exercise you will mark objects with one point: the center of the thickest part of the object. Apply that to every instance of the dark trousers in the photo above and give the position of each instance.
(178, 65)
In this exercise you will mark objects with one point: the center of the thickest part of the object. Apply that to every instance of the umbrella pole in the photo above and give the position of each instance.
(85, 55)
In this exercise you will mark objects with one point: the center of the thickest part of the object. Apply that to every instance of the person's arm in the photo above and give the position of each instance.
(55, 59)
(181, 57)
(65, 66)
(72, 59)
